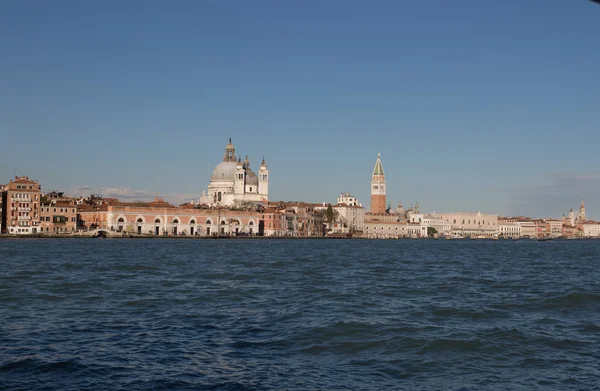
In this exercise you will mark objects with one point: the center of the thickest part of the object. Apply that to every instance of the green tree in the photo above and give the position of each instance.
(329, 214)
(431, 232)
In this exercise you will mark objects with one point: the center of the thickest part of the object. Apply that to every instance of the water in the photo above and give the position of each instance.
(299, 315)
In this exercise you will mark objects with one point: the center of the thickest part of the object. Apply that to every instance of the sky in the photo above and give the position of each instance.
(488, 106)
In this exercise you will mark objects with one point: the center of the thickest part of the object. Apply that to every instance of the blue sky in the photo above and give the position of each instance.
(473, 105)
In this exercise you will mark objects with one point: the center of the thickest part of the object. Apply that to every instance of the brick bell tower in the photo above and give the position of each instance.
(378, 201)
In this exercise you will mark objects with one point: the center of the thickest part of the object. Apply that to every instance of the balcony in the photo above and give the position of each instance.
(24, 209)
(24, 218)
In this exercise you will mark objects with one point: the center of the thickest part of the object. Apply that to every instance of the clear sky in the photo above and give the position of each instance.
(473, 105)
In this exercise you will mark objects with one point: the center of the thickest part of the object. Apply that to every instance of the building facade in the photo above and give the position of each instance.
(591, 229)
(508, 229)
(160, 218)
(21, 206)
(58, 218)
(471, 224)
(351, 217)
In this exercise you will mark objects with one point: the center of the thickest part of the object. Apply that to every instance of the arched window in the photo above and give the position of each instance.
(223, 222)
(208, 222)
(251, 223)
(175, 221)
(140, 221)
(121, 220)
(192, 221)
(219, 198)
(157, 221)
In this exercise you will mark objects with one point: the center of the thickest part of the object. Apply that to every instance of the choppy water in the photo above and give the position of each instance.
(299, 315)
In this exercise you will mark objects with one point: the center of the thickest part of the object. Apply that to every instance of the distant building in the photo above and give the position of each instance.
(233, 182)
(471, 224)
(591, 229)
(21, 206)
(348, 199)
(161, 218)
(555, 227)
(507, 229)
(58, 218)
(352, 217)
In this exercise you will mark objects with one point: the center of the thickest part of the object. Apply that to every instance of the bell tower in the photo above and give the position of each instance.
(263, 180)
(378, 188)
(240, 178)
(582, 211)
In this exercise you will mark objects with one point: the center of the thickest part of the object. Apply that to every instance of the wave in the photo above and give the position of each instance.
(572, 299)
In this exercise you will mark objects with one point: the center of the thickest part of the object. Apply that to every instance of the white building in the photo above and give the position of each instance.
(348, 199)
(509, 229)
(352, 216)
(471, 224)
(556, 228)
(591, 229)
(233, 181)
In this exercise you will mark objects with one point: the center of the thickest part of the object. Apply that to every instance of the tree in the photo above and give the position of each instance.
(330, 215)
(431, 232)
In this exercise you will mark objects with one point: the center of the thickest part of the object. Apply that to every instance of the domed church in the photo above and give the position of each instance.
(234, 181)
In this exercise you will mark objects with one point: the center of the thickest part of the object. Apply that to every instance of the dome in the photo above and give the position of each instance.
(225, 171)
(251, 178)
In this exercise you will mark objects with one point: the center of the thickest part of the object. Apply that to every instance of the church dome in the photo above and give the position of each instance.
(225, 171)
(251, 178)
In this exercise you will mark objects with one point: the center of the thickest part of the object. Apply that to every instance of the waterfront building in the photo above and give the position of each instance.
(310, 218)
(569, 231)
(591, 229)
(21, 206)
(161, 218)
(471, 224)
(528, 229)
(378, 188)
(352, 217)
(348, 199)
(58, 217)
(542, 228)
(234, 183)
(438, 223)
(555, 227)
(508, 229)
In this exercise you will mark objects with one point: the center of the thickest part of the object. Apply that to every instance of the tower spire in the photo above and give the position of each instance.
(378, 188)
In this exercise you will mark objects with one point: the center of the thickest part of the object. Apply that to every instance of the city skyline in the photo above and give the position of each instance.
(472, 106)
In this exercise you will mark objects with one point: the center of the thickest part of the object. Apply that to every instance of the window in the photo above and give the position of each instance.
(192, 221)
(175, 221)
(157, 221)
(140, 221)
(250, 188)
(219, 196)
(208, 222)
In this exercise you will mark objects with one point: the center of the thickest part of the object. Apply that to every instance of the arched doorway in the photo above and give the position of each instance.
(192, 226)
(157, 226)
(175, 225)
(120, 224)
(208, 224)
(251, 225)
(139, 226)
